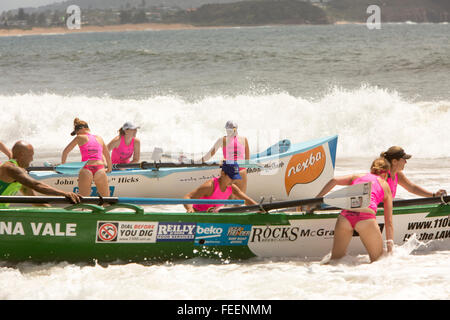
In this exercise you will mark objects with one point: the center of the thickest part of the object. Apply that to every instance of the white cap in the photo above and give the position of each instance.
(128, 125)
(230, 124)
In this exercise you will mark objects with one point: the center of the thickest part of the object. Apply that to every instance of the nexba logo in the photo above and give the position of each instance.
(304, 168)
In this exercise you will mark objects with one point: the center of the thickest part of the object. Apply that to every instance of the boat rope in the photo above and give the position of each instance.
(261, 206)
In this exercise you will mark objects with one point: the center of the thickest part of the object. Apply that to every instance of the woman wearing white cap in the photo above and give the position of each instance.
(234, 148)
(125, 145)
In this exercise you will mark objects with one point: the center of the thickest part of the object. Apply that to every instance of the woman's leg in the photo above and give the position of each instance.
(370, 235)
(343, 233)
(85, 182)
(101, 182)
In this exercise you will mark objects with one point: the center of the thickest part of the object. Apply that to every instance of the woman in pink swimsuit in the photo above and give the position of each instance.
(125, 145)
(92, 149)
(222, 188)
(364, 220)
(397, 157)
(234, 148)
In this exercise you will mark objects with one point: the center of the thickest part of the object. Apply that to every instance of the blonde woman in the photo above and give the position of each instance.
(92, 149)
(364, 220)
(234, 148)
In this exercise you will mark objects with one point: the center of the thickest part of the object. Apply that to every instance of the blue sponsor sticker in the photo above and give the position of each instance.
(175, 231)
(222, 234)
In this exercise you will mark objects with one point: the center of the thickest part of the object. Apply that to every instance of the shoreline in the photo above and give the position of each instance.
(140, 27)
(120, 28)
(89, 29)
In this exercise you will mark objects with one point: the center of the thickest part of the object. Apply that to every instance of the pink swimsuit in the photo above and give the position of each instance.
(217, 194)
(234, 151)
(376, 196)
(392, 184)
(92, 150)
(123, 152)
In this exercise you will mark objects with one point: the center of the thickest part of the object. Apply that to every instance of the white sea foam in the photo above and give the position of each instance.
(398, 276)
(367, 120)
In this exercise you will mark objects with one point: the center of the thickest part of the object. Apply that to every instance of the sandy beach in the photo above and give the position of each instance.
(111, 28)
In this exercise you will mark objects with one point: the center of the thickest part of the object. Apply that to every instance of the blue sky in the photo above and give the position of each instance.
(14, 4)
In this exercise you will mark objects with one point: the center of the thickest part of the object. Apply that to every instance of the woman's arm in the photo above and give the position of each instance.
(106, 155)
(114, 143)
(137, 151)
(69, 148)
(341, 181)
(414, 188)
(247, 150)
(205, 190)
(5, 150)
(388, 217)
(212, 152)
(241, 195)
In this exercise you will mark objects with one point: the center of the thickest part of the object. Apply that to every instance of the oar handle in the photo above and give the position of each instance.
(51, 168)
(157, 165)
(55, 199)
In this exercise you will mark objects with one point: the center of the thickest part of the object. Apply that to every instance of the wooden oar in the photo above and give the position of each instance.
(353, 197)
(112, 200)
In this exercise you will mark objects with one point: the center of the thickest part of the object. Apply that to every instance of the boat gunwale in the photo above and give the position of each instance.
(271, 217)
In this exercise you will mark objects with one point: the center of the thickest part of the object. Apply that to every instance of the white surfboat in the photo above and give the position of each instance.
(296, 173)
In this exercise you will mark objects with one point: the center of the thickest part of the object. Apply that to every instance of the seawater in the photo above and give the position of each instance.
(373, 89)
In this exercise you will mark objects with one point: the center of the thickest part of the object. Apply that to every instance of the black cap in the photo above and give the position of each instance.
(396, 153)
(78, 127)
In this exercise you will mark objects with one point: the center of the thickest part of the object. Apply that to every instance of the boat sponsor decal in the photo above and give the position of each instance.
(175, 231)
(9, 228)
(126, 232)
(123, 180)
(421, 229)
(286, 233)
(203, 178)
(304, 168)
(64, 182)
(269, 168)
(222, 234)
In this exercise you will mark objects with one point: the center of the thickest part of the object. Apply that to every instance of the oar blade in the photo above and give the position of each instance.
(70, 167)
(356, 196)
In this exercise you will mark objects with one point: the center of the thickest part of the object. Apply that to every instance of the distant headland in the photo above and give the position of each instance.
(140, 15)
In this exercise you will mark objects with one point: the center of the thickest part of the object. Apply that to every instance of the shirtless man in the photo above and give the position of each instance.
(14, 177)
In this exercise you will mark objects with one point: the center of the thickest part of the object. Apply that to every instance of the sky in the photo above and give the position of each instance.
(14, 4)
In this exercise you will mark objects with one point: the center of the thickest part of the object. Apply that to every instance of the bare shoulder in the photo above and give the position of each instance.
(99, 139)
(11, 172)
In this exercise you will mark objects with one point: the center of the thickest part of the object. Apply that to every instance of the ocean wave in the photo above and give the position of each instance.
(368, 120)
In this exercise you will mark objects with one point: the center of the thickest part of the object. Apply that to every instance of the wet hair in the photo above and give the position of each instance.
(379, 166)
